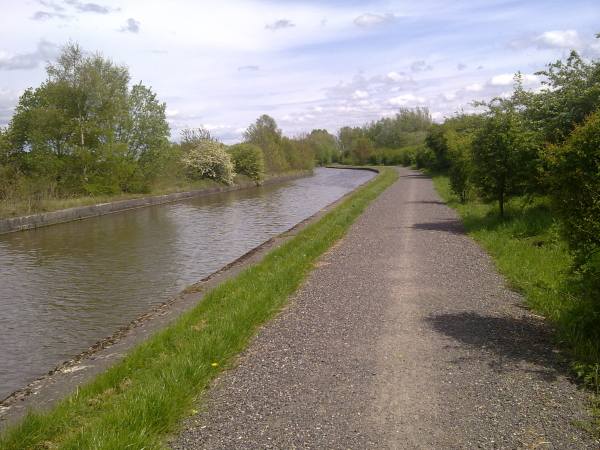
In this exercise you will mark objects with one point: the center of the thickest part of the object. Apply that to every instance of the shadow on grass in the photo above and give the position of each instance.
(520, 221)
(504, 342)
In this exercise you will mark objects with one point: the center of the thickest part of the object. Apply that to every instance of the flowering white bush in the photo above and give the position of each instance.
(209, 159)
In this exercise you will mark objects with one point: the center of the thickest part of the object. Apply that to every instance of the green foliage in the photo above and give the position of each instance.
(248, 159)
(407, 127)
(265, 133)
(571, 92)
(424, 157)
(324, 146)
(192, 137)
(436, 140)
(391, 140)
(298, 152)
(504, 154)
(461, 162)
(85, 132)
(209, 159)
(575, 188)
(362, 150)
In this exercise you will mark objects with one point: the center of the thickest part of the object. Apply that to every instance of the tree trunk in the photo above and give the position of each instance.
(501, 202)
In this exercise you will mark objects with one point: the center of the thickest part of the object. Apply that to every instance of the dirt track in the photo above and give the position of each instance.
(404, 336)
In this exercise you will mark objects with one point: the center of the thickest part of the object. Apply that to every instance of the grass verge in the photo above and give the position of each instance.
(528, 250)
(136, 403)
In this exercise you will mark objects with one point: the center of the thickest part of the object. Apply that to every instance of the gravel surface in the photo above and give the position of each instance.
(404, 336)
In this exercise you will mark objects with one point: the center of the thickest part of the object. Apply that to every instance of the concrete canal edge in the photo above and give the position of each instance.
(58, 383)
(32, 221)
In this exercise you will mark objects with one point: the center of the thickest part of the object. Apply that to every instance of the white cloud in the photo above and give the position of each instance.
(475, 87)
(502, 80)
(397, 77)
(558, 39)
(507, 79)
(405, 99)
(370, 20)
(360, 94)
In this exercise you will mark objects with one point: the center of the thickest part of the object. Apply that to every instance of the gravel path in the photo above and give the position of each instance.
(404, 336)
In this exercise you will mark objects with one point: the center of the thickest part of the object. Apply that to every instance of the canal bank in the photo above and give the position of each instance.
(46, 391)
(32, 221)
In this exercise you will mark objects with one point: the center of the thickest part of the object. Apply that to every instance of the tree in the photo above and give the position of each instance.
(248, 160)
(83, 125)
(265, 133)
(191, 137)
(324, 146)
(575, 189)
(147, 128)
(363, 150)
(210, 160)
(571, 91)
(504, 154)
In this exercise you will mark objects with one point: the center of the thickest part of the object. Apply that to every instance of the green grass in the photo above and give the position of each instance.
(527, 248)
(139, 401)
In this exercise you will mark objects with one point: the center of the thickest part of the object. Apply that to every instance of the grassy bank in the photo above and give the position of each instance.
(15, 208)
(136, 403)
(528, 250)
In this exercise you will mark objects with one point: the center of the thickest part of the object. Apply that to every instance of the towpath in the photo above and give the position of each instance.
(404, 336)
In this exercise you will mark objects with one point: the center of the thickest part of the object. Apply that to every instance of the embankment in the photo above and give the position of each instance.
(13, 224)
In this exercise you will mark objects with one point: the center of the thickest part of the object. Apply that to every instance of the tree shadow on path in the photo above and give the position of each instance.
(453, 226)
(505, 343)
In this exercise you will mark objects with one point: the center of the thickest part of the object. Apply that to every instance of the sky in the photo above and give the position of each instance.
(309, 64)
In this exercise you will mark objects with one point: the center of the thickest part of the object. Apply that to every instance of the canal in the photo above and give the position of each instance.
(65, 287)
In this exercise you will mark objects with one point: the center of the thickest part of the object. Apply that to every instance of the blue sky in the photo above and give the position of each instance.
(309, 64)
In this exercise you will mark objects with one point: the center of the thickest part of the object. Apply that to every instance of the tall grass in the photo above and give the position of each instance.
(528, 249)
(136, 403)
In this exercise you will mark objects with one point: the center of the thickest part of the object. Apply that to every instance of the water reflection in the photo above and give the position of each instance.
(64, 287)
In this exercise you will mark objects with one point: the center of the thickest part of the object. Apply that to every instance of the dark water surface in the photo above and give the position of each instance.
(65, 287)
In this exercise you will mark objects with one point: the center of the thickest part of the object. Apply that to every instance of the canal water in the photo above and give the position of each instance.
(65, 287)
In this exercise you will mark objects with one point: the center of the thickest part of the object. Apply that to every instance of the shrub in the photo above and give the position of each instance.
(461, 167)
(209, 159)
(424, 157)
(575, 187)
(248, 159)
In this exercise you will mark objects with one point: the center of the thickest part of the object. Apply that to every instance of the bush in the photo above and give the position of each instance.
(248, 159)
(424, 158)
(460, 160)
(209, 160)
(575, 187)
